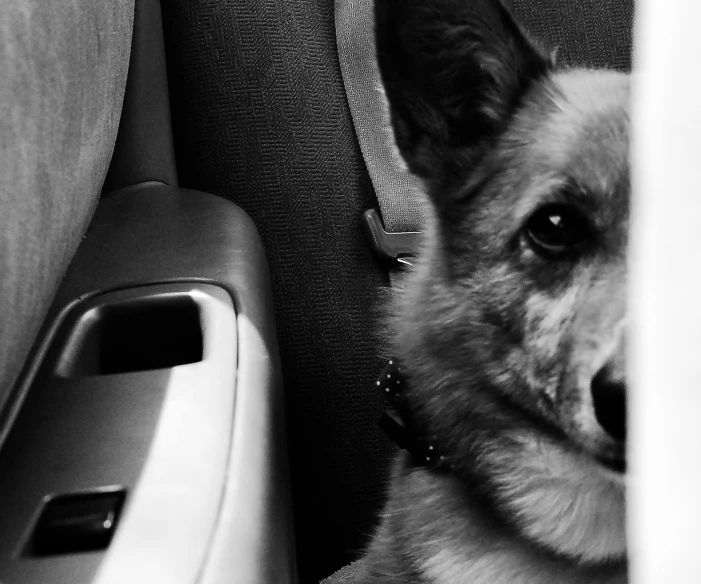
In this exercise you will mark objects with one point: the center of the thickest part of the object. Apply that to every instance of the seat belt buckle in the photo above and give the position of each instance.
(398, 247)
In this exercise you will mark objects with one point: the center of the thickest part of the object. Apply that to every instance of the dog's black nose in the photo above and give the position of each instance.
(608, 391)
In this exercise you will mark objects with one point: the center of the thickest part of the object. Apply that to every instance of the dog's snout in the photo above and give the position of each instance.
(608, 389)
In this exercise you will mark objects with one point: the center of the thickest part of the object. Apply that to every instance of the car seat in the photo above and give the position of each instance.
(260, 117)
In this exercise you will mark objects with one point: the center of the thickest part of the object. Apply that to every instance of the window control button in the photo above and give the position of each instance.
(76, 523)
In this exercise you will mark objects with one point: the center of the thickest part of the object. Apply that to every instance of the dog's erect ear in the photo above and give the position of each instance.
(454, 71)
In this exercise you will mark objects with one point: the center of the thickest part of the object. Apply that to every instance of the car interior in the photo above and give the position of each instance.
(193, 398)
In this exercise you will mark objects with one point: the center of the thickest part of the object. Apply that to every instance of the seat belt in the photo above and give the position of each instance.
(402, 207)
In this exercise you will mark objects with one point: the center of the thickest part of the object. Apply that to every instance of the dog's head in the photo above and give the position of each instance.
(512, 324)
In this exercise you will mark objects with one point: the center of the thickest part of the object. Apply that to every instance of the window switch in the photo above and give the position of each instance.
(76, 523)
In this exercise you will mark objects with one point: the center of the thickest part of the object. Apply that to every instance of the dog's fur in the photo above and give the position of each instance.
(498, 336)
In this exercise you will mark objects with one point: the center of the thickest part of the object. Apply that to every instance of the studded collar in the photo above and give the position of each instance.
(397, 422)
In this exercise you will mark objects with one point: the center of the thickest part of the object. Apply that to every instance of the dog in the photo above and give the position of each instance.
(509, 330)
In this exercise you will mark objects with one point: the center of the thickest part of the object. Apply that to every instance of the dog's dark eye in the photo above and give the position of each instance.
(556, 230)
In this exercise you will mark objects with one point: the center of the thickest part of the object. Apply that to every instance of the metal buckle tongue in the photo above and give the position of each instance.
(395, 247)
